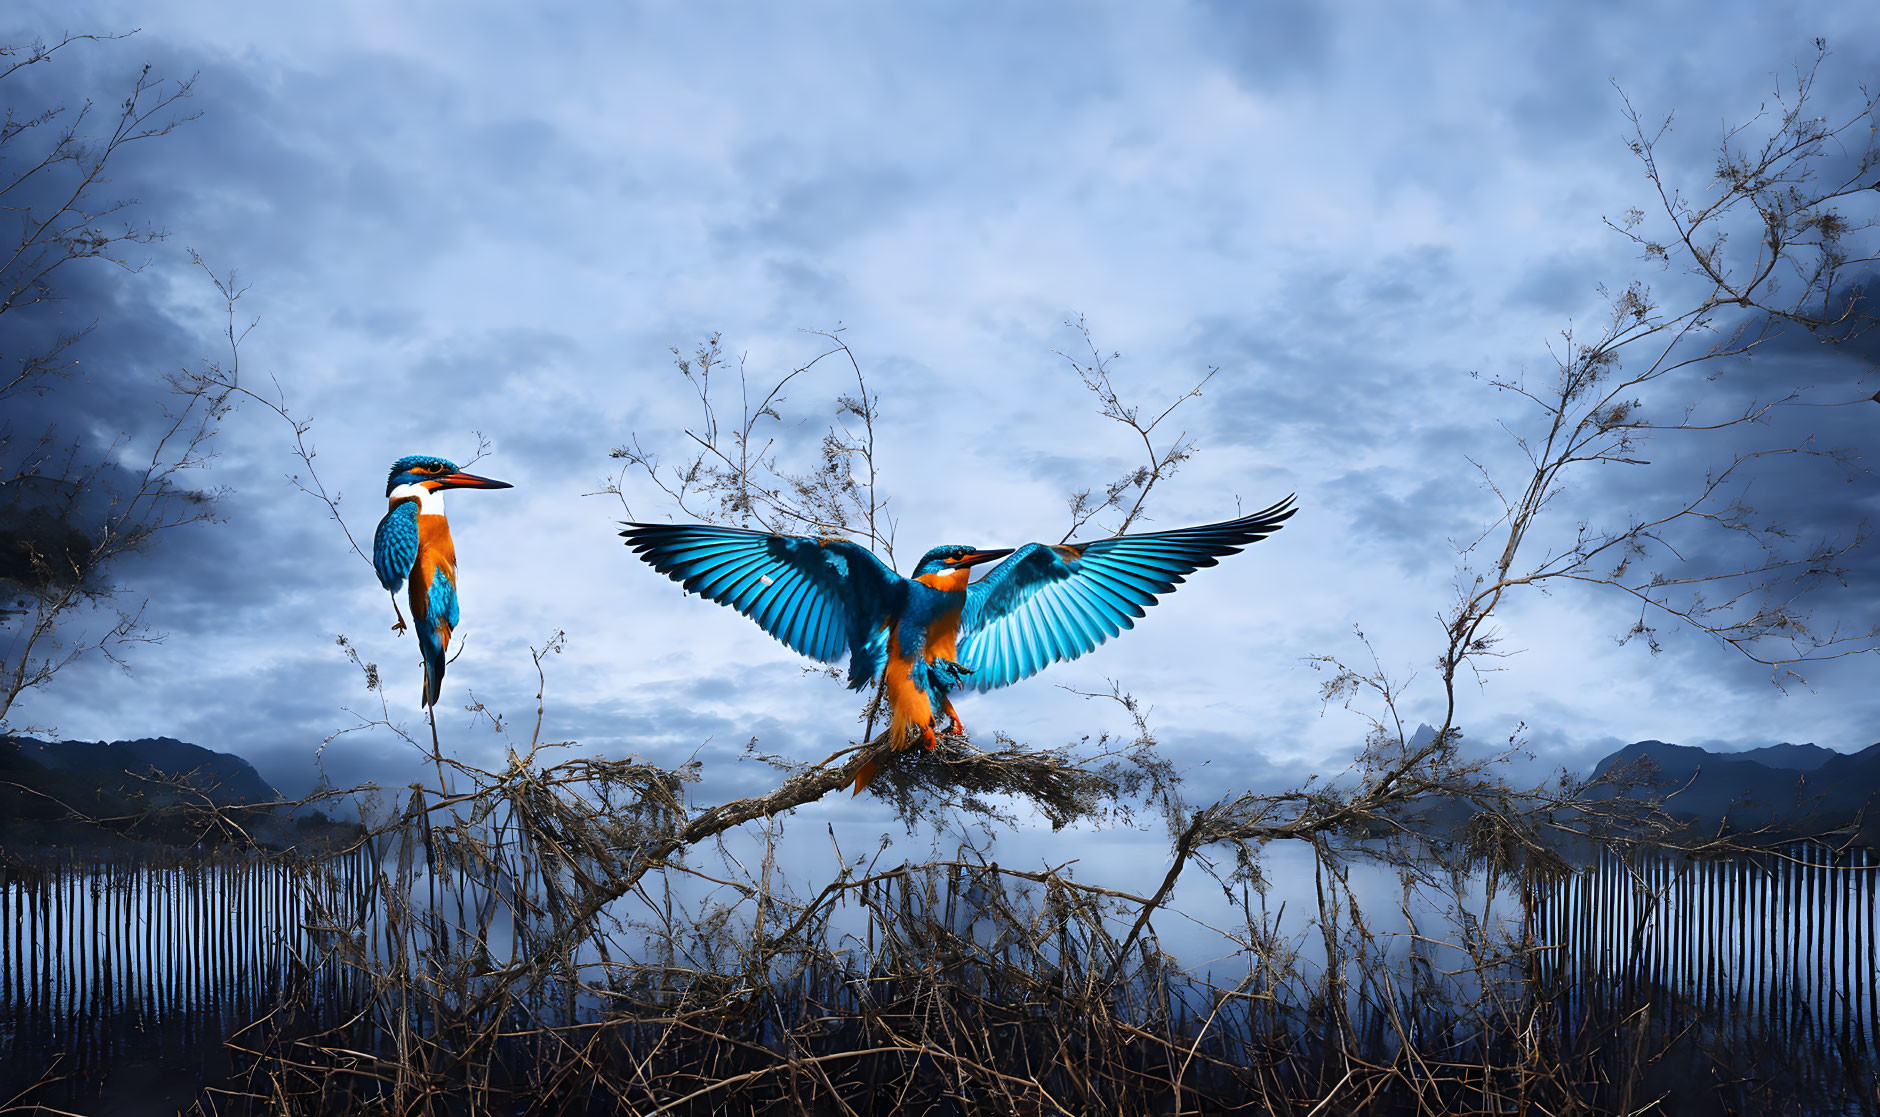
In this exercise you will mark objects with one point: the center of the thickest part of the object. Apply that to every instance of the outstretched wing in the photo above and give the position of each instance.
(821, 597)
(395, 545)
(1049, 603)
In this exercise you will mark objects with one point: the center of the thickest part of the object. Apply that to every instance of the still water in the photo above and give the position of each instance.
(1781, 941)
(125, 980)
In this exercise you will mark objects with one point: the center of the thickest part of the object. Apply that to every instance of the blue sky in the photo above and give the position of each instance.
(500, 218)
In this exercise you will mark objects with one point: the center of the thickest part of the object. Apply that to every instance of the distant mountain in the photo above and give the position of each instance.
(1802, 758)
(1779, 792)
(1787, 789)
(123, 795)
(162, 767)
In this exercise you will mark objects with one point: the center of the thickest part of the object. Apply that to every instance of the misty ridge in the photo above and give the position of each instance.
(119, 797)
(1761, 797)
(54, 793)
(1783, 790)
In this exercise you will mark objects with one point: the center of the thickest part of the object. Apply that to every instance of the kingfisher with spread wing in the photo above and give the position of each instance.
(413, 542)
(933, 633)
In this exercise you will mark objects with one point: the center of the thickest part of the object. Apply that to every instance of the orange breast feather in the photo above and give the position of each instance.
(907, 702)
(943, 636)
(436, 552)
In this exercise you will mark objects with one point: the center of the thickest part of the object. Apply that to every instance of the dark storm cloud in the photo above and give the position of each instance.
(315, 171)
(304, 174)
(1559, 103)
(115, 404)
(261, 182)
(1814, 495)
(266, 559)
(1813, 498)
(129, 345)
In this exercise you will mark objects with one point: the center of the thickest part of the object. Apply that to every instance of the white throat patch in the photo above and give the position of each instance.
(429, 503)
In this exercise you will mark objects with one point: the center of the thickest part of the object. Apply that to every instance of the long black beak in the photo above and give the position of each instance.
(468, 481)
(977, 557)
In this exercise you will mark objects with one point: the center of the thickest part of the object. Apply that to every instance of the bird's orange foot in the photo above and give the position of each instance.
(928, 740)
(955, 727)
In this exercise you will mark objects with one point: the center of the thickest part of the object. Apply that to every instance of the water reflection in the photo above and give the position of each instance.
(135, 972)
(1783, 939)
(127, 978)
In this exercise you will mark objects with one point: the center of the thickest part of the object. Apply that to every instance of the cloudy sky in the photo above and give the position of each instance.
(456, 218)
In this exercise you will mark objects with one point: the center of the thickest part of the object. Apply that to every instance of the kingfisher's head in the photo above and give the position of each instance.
(943, 560)
(434, 474)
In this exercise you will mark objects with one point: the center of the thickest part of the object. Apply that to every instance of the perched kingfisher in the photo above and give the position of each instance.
(413, 541)
(930, 634)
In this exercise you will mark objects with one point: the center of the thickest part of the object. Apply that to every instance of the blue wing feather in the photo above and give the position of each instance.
(395, 545)
(443, 599)
(783, 610)
(818, 597)
(1046, 604)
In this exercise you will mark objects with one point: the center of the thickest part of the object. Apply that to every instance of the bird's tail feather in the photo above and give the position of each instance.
(433, 677)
